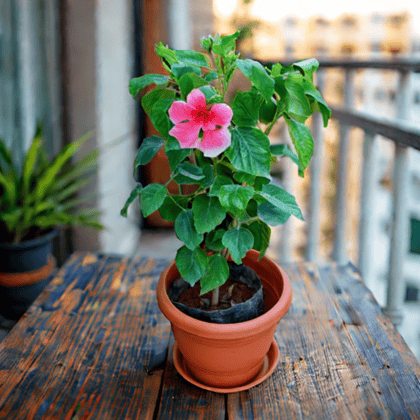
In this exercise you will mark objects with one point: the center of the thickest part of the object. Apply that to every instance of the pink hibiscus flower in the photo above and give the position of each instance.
(201, 126)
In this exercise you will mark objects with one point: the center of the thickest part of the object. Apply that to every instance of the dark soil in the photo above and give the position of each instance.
(228, 296)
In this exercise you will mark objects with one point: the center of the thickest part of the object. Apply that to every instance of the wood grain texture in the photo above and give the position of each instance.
(95, 346)
(86, 346)
(339, 356)
(182, 400)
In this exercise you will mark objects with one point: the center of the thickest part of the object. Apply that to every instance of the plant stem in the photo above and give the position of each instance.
(193, 160)
(225, 253)
(271, 125)
(215, 297)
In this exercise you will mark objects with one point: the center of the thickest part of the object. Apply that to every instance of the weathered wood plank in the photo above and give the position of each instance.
(95, 345)
(87, 353)
(182, 400)
(339, 356)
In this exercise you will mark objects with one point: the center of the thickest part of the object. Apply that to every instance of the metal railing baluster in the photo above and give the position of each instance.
(339, 252)
(367, 199)
(400, 225)
(315, 168)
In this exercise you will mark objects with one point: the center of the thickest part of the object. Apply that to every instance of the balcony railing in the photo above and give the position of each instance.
(405, 135)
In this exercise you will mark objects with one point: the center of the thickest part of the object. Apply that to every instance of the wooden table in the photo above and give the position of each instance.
(95, 346)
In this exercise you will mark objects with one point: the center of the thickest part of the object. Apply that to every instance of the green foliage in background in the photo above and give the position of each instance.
(42, 193)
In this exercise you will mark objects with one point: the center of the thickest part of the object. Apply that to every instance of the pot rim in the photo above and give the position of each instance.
(32, 243)
(227, 331)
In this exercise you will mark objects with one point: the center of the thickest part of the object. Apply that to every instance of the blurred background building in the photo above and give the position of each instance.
(68, 64)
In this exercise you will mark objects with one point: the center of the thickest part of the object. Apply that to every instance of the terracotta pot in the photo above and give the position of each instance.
(228, 355)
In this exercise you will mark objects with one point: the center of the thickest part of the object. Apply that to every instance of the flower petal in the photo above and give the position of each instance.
(215, 142)
(180, 111)
(186, 134)
(220, 114)
(196, 99)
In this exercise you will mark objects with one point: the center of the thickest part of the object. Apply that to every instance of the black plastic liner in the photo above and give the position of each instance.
(245, 311)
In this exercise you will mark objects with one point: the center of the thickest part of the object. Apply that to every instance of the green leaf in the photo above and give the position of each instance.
(187, 173)
(139, 83)
(258, 76)
(312, 92)
(48, 204)
(9, 186)
(208, 213)
(180, 69)
(148, 101)
(252, 208)
(276, 70)
(12, 218)
(168, 55)
(218, 183)
(223, 45)
(214, 240)
(52, 220)
(207, 43)
(174, 153)
(216, 275)
(46, 181)
(190, 81)
(235, 198)
(185, 230)
(211, 94)
(208, 176)
(244, 177)
(239, 242)
(280, 88)
(172, 206)
(88, 164)
(212, 75)
(71, 189)
(75, 202)
(192, 58)
(151, 198)
(90, 217)
(159, 116)
(250, 151)
(302, 140)
(297, 104)
(191, 264)
(281, 199)
(267, 111)
(260, 182)
(133, 195)
(5, 154)
(225, 168)
(29, 165)
(284, 150)
(271, 214)
(148, 149)
(308, 67)
(262, 233)
(245, 108)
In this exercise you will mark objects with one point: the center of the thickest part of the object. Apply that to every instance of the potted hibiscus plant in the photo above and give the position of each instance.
(36, 197)
(223, 149)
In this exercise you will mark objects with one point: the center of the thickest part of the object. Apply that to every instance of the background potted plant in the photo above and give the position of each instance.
(223, 148)
(35, 199)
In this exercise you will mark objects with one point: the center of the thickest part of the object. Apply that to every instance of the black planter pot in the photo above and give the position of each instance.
(25, 270)
(241, 312)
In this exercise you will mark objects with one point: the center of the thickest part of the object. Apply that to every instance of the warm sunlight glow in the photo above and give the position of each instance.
(274, 11)
(225, 8)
